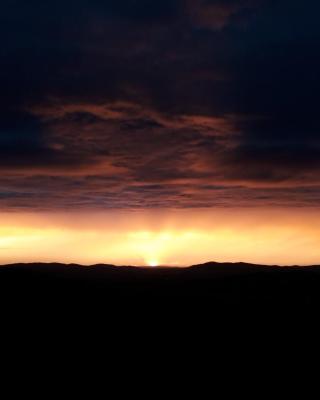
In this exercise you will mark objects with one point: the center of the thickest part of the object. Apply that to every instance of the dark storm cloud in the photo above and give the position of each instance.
(165, 103)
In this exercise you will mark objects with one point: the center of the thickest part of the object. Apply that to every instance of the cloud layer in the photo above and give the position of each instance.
(139, 104)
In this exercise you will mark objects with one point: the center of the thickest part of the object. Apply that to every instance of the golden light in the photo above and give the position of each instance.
(150, 246)
(153, 263)
(179, 238)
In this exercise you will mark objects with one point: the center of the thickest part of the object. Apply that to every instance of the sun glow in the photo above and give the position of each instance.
(154, 239)
(153, 263)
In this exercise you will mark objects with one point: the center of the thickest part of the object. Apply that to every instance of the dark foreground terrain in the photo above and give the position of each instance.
(219, 306)
(150, 325)
(220, 285)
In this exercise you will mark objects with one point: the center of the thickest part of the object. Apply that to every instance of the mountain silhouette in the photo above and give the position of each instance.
(218, 283)
(125, 302)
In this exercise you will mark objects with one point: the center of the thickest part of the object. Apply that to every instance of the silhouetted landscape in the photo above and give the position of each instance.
(214, 284)
(158, 133)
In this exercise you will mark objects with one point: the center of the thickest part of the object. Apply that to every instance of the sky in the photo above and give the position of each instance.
(159, 132)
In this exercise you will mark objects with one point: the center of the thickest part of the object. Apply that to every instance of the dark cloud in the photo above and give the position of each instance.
(217, 14)
(165, 103)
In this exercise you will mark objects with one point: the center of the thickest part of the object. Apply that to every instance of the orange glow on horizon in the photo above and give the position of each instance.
(171, 238)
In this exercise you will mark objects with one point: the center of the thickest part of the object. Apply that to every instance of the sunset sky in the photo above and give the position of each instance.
(164, 132)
